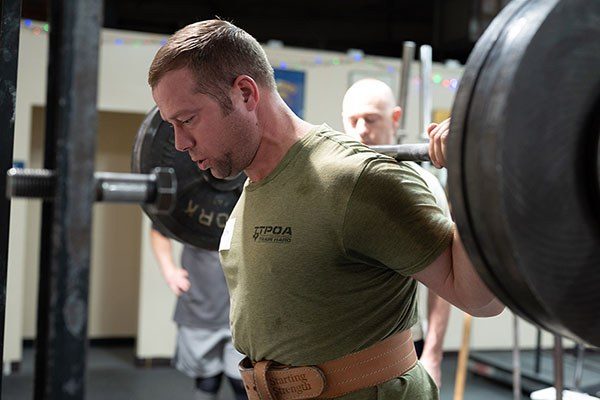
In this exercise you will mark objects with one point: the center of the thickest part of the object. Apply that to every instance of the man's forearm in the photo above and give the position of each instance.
(477, 299)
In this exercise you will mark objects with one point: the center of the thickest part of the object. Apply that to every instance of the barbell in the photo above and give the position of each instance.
(157, 189)
(523, 166)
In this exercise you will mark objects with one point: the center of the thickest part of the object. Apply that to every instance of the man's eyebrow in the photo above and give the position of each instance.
(179, 114)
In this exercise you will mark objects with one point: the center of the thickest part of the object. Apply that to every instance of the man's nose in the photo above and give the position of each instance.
(183, 141)
(361, 126)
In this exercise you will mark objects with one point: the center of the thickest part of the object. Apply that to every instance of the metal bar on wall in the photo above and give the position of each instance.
(425, 54)
(71, 125)
(516, 360)
(9, 47)
(558, 367)
(408, 55)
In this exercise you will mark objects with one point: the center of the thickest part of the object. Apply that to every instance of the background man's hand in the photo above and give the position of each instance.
(433, 367)
(178, 281)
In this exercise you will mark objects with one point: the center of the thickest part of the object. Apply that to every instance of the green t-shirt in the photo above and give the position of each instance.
(318, 254)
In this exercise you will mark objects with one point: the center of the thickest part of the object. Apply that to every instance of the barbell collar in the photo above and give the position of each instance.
(157, 189)
(405, 152)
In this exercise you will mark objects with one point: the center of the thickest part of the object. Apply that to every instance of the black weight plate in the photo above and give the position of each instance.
(457, 181)
(478, 166)
(201, 209)
(530, 163)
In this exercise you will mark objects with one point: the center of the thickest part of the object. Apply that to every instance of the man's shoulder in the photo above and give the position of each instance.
(337, 155)
(335, 149)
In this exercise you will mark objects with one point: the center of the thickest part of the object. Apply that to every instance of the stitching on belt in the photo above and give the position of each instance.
(377, 371)
(372, 358)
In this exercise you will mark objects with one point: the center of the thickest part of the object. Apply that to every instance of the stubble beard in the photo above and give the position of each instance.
(223, 168)
(241, 152)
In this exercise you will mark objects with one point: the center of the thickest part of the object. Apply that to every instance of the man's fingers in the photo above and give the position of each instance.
(443, 133)
(431, 127)
(185, 285)
(432, 130)
(437, 142)
(432, 156)
(439, 151)
(175, 289)
(435, 152)
(444, 138)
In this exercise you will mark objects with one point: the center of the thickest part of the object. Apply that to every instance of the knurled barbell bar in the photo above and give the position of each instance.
(523, 166)
(405, 152)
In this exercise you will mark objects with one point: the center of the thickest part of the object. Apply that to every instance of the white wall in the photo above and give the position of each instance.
(327, 82)
(156, 331)
(114, 269)
(123, 88)
(113, 310)
(30, 91)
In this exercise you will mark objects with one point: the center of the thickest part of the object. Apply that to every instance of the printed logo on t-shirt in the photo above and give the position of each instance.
(272, 234)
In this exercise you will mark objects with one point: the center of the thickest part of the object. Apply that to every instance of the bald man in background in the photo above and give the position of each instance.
(370, 115)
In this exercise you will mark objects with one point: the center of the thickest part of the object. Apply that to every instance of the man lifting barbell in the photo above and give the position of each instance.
(334, 299)
(313, 249)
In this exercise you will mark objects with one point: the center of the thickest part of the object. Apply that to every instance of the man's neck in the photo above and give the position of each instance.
(280, 129)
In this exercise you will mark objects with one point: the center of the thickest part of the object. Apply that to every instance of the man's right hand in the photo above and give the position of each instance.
(178, 281)
(438, 134)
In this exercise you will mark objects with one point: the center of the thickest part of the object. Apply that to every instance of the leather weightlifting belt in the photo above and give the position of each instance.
(385, 360)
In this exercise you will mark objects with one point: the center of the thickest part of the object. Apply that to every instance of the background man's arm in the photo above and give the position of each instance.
(438, 314)
(175, 277)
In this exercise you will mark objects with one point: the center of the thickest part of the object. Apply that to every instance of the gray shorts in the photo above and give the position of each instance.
(202, 353)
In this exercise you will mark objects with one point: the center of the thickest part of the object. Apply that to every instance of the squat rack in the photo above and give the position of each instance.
(71, 125)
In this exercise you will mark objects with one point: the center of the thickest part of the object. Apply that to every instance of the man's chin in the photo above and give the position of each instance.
(214, 173)
(218, 174)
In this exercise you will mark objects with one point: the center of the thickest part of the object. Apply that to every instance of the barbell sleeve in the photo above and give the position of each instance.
(405, 152)
(30, 183)
(157, 189)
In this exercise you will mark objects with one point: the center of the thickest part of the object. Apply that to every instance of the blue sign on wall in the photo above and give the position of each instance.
(290, 85)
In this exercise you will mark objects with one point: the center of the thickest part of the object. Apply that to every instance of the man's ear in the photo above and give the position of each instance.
(396, 115)
(246, 89)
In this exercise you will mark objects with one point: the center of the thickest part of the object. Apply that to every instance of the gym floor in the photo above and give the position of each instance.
(112, 374)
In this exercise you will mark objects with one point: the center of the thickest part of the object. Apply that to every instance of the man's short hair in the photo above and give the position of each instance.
(217, 52)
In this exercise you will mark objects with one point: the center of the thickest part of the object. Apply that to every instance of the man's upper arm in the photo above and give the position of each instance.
(453, 277)
(393, 219)
(438, 276)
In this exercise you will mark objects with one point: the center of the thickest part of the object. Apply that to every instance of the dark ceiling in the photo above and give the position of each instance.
(378, 27)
